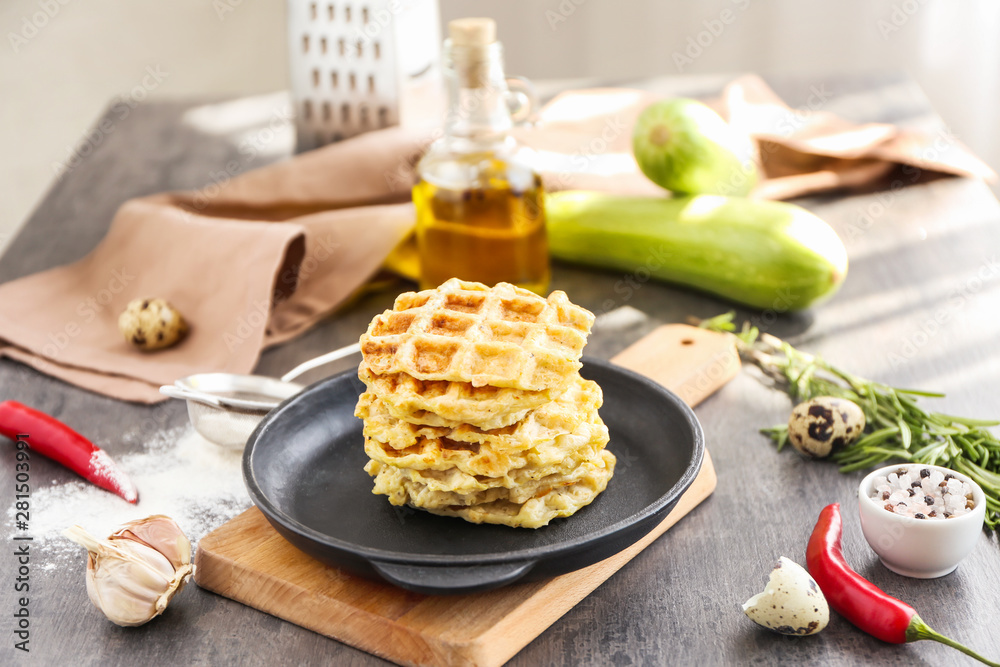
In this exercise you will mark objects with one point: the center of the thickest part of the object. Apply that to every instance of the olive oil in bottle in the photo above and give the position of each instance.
(480, 206)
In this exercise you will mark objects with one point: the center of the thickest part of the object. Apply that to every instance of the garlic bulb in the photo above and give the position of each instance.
(133, 575)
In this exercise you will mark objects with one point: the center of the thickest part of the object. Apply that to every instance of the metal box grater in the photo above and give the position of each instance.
(358, 66)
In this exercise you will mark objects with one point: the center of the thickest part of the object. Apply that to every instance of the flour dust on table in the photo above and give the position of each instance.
(178, 473)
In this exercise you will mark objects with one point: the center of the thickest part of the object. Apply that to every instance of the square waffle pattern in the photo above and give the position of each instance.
(475, 407)
(503, 336)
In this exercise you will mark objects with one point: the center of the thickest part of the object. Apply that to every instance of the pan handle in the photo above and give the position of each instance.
(436, 580)
(321, 360)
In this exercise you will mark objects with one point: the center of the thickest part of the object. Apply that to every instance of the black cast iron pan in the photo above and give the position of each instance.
(303, 467)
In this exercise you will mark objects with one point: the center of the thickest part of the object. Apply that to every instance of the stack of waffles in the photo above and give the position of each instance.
(475, 407)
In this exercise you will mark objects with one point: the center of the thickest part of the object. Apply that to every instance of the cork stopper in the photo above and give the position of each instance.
(471, 43)
(472, 32)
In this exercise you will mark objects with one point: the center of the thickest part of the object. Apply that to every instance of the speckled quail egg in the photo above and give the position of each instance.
(791, 604)
(823, 424)
(151, 324)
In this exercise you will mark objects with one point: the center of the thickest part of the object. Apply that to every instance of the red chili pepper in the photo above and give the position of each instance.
(51, 438)
(858, 600)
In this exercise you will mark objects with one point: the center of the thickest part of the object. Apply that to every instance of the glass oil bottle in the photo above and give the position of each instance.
(480, 208)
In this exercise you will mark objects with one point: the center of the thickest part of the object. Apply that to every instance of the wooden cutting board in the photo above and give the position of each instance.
(248, 561)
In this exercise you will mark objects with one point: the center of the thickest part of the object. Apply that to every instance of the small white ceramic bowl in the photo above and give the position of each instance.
(921, 548)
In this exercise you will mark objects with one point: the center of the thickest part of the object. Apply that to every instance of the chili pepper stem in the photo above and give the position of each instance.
(858, 600)
(918, 630)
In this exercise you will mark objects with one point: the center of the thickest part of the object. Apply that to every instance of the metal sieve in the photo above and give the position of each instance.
(225, 408)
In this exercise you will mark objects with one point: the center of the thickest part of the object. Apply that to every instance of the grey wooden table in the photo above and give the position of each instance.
(920, 308)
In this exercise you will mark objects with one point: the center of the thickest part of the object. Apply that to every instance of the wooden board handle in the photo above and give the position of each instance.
(691, 362)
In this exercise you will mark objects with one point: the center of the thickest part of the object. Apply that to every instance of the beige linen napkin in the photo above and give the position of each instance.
(249, 264)
(260, 259)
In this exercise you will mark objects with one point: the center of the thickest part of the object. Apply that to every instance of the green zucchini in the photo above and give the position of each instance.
(684, 146)
(765, 254)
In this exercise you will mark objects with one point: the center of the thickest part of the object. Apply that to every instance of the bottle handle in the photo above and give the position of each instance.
(522, 100)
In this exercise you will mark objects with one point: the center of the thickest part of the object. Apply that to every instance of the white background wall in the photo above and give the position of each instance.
(55, 83)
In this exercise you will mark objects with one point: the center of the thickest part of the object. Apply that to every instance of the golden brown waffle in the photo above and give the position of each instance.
(537, 512)
(451, 404)
(441, 488)
(502, 336)
(530, 504)
(464, 465)
(520, 483)
(577, 404)
(475, 407)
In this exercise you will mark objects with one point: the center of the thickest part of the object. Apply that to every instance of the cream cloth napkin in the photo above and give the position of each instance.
(258, 260)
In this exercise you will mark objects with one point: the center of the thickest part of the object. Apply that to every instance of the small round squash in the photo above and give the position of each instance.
(152, 324)
(823, 424)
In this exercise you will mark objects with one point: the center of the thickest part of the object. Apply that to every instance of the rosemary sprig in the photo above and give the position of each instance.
(897, 427)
